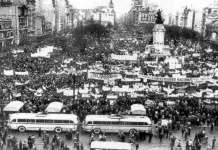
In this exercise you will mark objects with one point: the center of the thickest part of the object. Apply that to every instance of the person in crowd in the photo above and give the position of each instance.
(20, 145)
(91, 140)
(150, 135)
(77, 136)
(40, 132)
(211, 127)
(206, 139)
(46, 76)
(213, 142)
(183, 130)
(62, 145)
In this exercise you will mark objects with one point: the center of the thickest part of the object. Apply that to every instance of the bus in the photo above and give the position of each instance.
(111, 123)
(102, 145)
(48, 122)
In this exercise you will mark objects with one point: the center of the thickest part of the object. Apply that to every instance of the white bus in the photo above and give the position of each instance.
(100, 145)
(48, 122)
(107, 123)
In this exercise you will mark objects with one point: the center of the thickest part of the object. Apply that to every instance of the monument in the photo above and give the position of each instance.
(158, 49)
(159, 33)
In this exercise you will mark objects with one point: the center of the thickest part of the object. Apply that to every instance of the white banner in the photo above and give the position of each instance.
(18, 83)
(9, 72)
(167, 79)
(182, 79)
(69, 92)
(124, 57)
(22, 73)
(96, 76)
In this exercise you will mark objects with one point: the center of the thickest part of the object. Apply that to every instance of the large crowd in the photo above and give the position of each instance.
(38, 81)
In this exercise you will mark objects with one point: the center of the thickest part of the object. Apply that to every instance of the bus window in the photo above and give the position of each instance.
(104, 122)
(89, 122)
(71, 121)
(108, 122)
(132, 123)
(96, 122)
(49, 121)
(31, 120)
(115, 123)
(65, 121)
(40, 120)
(14, 120)
(124, 123)
(21, 120)
(58, 121)
(141, 123)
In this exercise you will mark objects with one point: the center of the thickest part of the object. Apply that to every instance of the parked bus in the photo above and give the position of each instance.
(102, 145)
(107, 123)
(48, 122)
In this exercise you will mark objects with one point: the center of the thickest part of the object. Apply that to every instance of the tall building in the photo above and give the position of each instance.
(35, 17)
(14, 12)
(211, 32)
(142, 12)
(210, 14)
(187, 18)
(6, 31)
(100, 14)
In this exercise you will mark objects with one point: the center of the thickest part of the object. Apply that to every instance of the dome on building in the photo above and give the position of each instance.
(111, 4)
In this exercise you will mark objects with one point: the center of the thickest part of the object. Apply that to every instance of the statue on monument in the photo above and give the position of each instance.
(159, 19)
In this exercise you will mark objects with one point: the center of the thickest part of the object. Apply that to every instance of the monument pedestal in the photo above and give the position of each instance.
(158, 37)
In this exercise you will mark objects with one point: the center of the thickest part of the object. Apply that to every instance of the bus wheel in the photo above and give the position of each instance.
(58, 130)
(22, 129)
(131, 131)
(97, 131)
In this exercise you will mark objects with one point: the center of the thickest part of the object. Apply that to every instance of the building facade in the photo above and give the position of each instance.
(30, 18)
(100, 14)
(6, 32)
(142, 12)
(211, 32)
(187, 18)
(210, 14)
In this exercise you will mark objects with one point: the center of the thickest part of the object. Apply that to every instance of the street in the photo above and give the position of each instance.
(143, 145)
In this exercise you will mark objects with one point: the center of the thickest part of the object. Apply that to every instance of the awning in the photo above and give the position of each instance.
(138, 109)
(54, 107)
(13, 106)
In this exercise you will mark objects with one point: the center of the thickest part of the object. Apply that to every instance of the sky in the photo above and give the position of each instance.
(123, 6)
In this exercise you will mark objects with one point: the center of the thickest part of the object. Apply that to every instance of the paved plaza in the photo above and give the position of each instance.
(143, 145)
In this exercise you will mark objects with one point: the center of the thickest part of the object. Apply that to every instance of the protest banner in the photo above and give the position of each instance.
(170, 79)
(124, 57)
(9, 72)
(97, 76)
(22, 73)
(166, 79)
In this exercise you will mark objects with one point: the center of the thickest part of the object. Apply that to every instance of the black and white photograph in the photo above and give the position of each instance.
(108, 74)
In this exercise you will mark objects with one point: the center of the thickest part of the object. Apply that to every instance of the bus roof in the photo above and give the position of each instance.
(115, 118)
(110, 145)
(43, 116)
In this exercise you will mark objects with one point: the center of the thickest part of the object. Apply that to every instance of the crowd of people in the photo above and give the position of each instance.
(112, 86)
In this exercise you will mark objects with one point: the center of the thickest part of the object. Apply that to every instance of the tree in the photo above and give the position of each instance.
(177, 34)
(96, 30)
(109, 25)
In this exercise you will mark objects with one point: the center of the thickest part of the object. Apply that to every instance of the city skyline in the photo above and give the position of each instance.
(123, 6)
